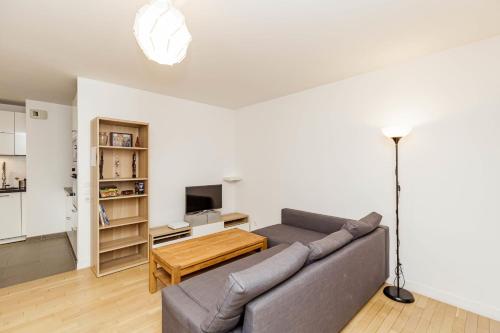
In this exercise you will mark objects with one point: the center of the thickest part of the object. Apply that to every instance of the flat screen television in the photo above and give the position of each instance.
(200, 198)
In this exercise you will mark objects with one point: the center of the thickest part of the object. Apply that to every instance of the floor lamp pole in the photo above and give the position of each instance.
(397, 293)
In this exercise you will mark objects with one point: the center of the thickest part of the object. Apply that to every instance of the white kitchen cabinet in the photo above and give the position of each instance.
(6, 143)
(6, 122)
(11, 221)
(20, 133)
(20, 144)
(19, 122)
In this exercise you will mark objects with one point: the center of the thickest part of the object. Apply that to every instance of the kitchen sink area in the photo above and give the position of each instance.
(12, 190)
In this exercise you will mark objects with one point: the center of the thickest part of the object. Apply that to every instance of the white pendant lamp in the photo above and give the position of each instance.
(161, 32)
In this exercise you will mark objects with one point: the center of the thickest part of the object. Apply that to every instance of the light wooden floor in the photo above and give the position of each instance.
(78, 302)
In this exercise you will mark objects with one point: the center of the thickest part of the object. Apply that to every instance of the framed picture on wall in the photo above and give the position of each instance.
(121, 139)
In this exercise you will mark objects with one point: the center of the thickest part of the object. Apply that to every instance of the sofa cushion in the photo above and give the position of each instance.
(286, 234)
(325, 224)
(205, 288)
(364, 226)
(372, 219)
(241, 287)
(329, 244)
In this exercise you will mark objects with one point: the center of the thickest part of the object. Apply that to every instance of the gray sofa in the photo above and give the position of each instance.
(321, 297)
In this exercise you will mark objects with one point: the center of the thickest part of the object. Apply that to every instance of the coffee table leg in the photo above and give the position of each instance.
(152, 278)
(175, 275)
(264, 245)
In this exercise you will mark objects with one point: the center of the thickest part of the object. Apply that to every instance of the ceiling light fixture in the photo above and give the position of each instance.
(161, 32)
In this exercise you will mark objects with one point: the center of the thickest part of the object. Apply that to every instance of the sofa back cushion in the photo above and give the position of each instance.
(364, 226)
(329, 244)
(317, 222)
(241, 287)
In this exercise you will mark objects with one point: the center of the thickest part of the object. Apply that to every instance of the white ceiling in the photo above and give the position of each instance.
(243, 51)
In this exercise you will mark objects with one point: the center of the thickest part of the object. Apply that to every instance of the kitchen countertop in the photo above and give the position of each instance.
(12, 190)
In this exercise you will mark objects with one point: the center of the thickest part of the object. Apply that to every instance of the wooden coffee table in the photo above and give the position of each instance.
(171, 262)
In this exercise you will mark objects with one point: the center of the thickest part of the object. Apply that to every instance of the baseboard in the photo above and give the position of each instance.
(448, 298)
(13, 240)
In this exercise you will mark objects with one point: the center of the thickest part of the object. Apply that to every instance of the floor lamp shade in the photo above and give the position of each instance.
(396, 131)
(397, 293)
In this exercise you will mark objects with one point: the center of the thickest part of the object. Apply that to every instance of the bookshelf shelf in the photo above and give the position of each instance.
(121, 197)
(122, 263)
(123, 222)
(113, 180)
(122, 148)
(123, 242)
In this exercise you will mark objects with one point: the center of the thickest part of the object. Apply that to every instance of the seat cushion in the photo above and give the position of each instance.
(287, 234)
(205, 288)
(243, 286)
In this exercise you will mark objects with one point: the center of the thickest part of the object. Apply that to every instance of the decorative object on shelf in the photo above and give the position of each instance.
(4, 175)
(397, 293)
(108, 191)
(127, 192)
(134, 165)
(117, 167)
(161, 32)
(101, 165)
(137, 142)
(139, 188)
(121, 139)
(103, 139)
(21, 183)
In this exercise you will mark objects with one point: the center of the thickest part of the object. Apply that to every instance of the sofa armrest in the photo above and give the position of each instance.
(316, 222)
(180, 313)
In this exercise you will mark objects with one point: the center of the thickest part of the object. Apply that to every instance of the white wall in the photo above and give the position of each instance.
(48, 168)
(322, 150)
(190, 144)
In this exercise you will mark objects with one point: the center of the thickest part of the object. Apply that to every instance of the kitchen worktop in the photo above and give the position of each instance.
(12, 190)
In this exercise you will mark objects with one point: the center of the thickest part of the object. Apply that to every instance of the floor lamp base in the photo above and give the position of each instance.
(399, 295)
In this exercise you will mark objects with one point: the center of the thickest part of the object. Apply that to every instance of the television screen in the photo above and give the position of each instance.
(200, 198)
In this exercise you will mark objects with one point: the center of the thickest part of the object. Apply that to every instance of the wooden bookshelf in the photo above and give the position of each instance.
(123, 243)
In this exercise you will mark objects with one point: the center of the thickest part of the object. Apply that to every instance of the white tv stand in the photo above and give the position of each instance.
(161, 236)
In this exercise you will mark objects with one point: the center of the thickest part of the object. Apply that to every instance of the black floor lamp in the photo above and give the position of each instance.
(397, 293)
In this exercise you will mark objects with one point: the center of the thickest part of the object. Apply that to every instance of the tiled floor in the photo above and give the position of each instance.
(35, 258)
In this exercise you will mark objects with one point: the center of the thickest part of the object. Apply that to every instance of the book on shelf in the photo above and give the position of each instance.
(103, 217)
